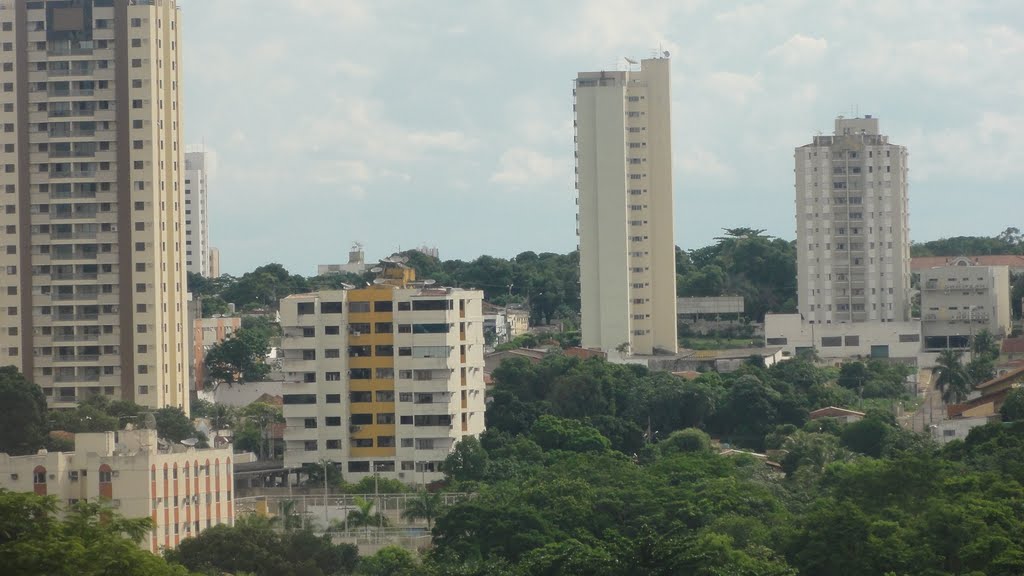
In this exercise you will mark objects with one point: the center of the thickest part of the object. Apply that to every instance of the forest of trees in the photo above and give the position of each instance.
(594, 468)
(743, 262)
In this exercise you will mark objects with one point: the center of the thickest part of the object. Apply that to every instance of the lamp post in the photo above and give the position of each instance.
(326, 520)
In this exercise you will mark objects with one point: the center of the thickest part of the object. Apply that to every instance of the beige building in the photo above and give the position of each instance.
(625, 220)
(853, 243)
(899, 340)
(214, 263)
(197, 229)
(92, 260)
(183, 490)
(382, 379)
(960, 300)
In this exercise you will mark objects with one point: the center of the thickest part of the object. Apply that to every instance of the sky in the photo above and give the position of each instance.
(449, 123)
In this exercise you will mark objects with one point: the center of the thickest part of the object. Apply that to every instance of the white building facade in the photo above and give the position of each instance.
(197, 232)
(625, 219)
(384, 379)
(853, 243)
(961, 300)
(183, 490)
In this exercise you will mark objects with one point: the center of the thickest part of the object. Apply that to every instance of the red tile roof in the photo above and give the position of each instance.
(1013, 345)
(1008, 377)
(830, 411)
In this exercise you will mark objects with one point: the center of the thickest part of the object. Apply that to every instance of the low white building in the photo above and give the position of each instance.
(961, 299)
(956, 429)
(843, 340)
(183, 490)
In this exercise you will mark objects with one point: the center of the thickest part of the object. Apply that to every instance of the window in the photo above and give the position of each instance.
(300, 398)
(777, 341)
(362, 419)
(386, 396)
(358, 307)
(383, 328)
(330, 308)
(308, 446)
(405, 396)
(360, 397)
(385, 418)
(384, 350)
(334, 444)
(332, 421)
(831, 341)
(332, 330)
(404, 306)
(852, 341)
(362, 442)
(382, 306)
(355, 466)
(309, 423)
(405, 420)
(385, 441)
(910, 337)
(333, 399)
(407, 443)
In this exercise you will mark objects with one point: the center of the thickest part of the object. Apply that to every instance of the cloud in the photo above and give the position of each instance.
(735, 87)
(519, 166)
(697, 161)
(800, 50)
(444, 140)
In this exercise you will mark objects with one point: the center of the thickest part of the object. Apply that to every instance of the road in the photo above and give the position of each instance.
(932, 409)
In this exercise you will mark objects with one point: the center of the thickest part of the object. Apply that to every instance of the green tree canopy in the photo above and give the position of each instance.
(24, 426)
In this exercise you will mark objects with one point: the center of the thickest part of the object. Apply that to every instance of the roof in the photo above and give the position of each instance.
(1010, 376)
(925, 262)
(583, 353)
(957, 410)
(529, 353)
(1013, 345)
(733, 353)
(830, 411)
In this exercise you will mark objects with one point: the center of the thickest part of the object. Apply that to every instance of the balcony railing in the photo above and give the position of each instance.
(77, 358)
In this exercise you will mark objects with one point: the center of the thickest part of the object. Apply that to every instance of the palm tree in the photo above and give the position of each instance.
(950, 377)
(426, 505)
(292, 519)
(364, 516)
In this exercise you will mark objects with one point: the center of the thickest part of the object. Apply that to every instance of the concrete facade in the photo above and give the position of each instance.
(625, 220)
(853, 232)
(93, 236)
(197, 229)
(183, 490)
(847, 340)
(960, 300)
(382, 379)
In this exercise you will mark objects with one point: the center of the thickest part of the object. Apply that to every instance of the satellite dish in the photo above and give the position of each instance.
(376, 269)
(190, 441)
(378, 280)
(347, 286)
(665, 53)
(401, 259)
(429, 282)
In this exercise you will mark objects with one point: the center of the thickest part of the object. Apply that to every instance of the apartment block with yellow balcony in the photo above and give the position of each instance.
(392, 378)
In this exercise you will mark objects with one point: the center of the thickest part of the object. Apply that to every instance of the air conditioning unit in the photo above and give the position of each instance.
(115, 503)
(113, 227)
(73, 475)
(14, 476)
(115, 473)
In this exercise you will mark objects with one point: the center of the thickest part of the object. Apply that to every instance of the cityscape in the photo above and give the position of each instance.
(846, 399)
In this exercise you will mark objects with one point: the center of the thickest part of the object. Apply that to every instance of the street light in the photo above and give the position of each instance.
(327, 523)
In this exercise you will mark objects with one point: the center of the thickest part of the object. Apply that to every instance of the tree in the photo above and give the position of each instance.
(88, 539)
(389, 561)
(682, 441)
(1013, 406)
(553, 433)
(467, 461)
(260, 416)
(950, 377)
(425, 505)
(23, 425)
(172, 424)
(240, 358)
(363, 516)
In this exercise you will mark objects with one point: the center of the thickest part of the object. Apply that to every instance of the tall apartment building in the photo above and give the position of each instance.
(93, 239)
(962, 299)
(182, 490)
(625, 220)
(197, 230)
(384, 379)
(853, 244)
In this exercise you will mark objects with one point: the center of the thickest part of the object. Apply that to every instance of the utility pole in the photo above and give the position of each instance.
(376, 496)
(326, 521)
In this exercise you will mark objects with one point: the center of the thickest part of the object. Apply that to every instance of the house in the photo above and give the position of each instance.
(993, 394)
(842, 414)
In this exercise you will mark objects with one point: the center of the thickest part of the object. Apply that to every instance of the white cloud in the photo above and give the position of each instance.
(444, 139)
(519, 166)
(697, 161)
(800, 50)
(735, 87)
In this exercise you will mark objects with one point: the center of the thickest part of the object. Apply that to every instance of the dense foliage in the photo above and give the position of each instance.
(556, 495)
(23, 426)
(86, 540)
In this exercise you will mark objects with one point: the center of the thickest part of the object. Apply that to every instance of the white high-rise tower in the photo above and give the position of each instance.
(625, 220)
(853, 243)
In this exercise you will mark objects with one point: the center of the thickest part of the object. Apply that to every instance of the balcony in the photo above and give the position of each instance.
(75, 317)
(73, 174)
(74, 256)
(76, 338)
(77, 358)
(75, 276)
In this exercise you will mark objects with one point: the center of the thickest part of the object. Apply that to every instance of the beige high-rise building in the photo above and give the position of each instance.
(383, 379)
(625, 220)
(853, 242)
(197, 230)
(93, 240)
(960, 300)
